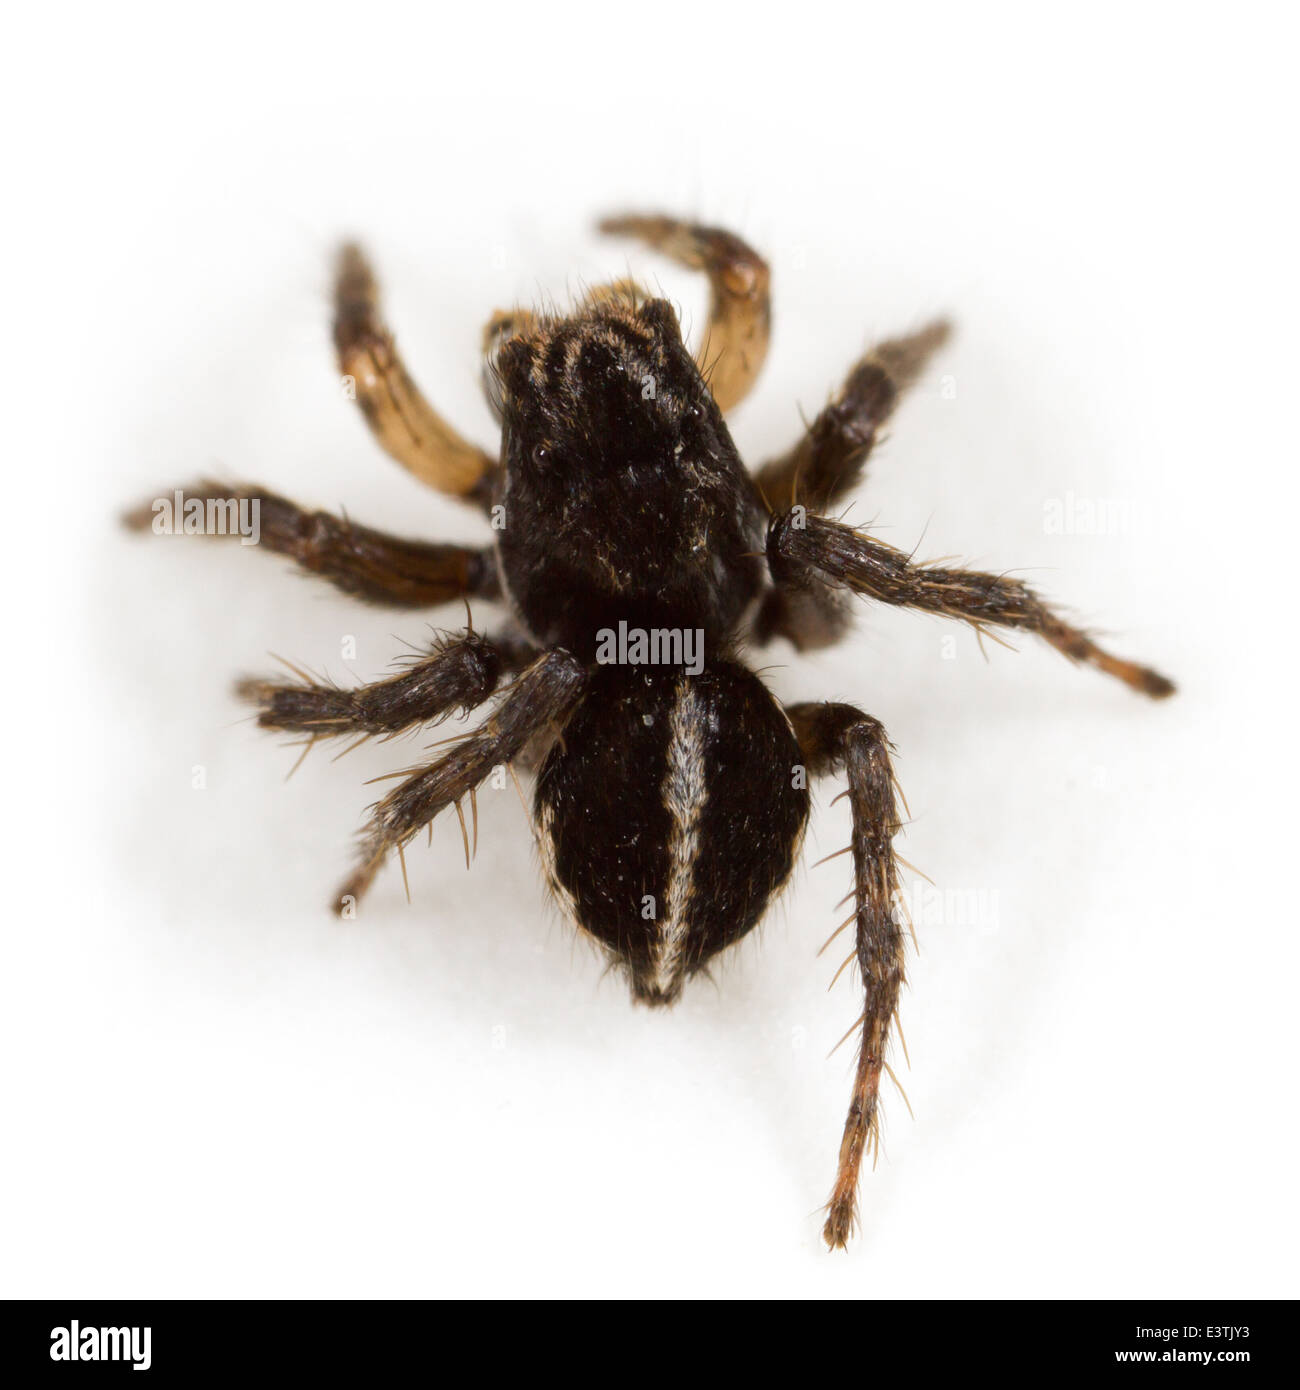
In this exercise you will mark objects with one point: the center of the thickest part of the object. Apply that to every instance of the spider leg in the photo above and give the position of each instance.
(407, 426)
(541, 698)
(502, 326)
(825, 465)
(809, 615)
(840, 738)
(827, 462)
(805, 551)
(506, 323)
(369, 565)
(457, 674)
(740, 312)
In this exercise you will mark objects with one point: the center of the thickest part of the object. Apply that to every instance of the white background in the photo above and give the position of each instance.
(209, 1086)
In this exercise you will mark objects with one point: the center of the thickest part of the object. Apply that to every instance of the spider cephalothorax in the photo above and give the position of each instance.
(637, 558)
(623, 497)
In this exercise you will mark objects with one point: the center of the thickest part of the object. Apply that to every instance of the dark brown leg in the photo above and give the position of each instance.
(827, 463)
(808, 615)
(499, 329)
(542, 697)
(805, 551)
(402, 420)
(841, 738)
(740, 314)
(460, 673)
(369, 565)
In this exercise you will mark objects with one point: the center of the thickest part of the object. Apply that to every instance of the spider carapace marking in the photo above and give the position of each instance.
(637, 559)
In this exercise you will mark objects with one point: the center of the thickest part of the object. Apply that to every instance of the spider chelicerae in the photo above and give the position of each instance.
(637, 559)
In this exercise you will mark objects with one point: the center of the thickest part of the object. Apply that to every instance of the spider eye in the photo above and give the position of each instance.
(693, 411)
(541, 454)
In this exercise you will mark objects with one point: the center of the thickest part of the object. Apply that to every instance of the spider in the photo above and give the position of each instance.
(637, 558)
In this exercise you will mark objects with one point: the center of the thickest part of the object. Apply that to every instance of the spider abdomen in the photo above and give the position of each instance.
(670, 812)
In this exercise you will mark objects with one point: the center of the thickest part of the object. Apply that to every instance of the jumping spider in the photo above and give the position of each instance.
(671, 798)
